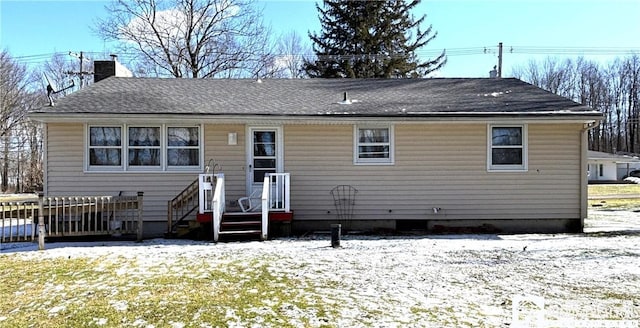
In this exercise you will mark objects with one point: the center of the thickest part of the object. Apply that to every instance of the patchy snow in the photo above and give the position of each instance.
(394, 281)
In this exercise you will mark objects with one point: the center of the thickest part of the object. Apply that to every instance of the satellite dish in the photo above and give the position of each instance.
(52, 88)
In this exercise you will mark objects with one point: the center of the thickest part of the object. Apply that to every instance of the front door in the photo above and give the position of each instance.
(264, 156)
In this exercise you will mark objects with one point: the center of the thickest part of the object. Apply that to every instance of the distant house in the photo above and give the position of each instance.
(610, 167)
(434, 154)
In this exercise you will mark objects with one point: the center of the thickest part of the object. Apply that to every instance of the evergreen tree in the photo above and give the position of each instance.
(370, 39)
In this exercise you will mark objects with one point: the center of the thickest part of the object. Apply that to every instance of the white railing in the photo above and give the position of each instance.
(265, 207)
(70, 217)
(18, 221)
(279, 193)
(205, 191)
(218, 205)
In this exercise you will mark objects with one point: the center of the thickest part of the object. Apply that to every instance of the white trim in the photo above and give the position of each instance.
(98, 118)
(373, 161)
(124, 166)
(170, 168)
(524, 167)
(144, 168)
(249, 152)
(45, 158)
(87, 145)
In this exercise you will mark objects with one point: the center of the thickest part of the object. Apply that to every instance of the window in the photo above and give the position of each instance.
(105, 146)
(183, 147)
(144, 146)
(507, 148)
(373, 145)
(135, 147)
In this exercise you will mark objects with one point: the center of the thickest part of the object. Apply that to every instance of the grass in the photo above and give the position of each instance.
(598, 190)
(615, 196)
(17, 197)
(120, 292)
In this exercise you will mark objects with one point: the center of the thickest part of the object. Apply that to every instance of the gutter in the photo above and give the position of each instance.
(584, 171)
(346, 118)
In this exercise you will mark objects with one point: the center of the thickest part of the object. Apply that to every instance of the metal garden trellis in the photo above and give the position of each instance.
(344, 199)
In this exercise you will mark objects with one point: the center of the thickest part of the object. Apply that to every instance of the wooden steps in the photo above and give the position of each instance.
(234, 226)
(241, 225)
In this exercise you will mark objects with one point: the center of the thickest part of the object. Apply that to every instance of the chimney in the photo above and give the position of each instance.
(103, 69)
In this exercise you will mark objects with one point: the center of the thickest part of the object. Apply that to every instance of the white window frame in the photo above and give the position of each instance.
(161, 147)
(124, 148)
(88, 147)
(525, 149)
(167, 147)
(373, 161)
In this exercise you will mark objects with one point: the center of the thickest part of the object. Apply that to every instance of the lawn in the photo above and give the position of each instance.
(371, 281)
(614, 189)
(615, 196)
(121, 292)
(17, 197)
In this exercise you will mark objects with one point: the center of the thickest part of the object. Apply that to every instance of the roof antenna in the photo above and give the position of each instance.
(51, 89)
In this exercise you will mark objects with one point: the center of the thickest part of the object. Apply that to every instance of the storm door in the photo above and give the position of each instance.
(264, 156)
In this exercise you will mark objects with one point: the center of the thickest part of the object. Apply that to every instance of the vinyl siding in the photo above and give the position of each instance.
(65, 174)
(436, 165)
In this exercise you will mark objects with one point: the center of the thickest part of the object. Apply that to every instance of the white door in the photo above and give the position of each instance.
(264, 155)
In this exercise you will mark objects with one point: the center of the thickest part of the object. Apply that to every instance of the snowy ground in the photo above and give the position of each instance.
(590, 279)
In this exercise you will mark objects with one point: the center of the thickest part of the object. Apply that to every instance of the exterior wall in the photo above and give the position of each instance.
(65, 174)
(439, 165)
(436, 165)
(608, 171)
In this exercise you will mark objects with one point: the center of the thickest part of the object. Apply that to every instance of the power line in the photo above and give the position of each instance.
(450, 52)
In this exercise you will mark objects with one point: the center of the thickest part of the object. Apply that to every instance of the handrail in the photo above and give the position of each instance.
(280, 191)
(205, 191)
(186, 198)
(218, 205)
(265, 207)
(65, 216)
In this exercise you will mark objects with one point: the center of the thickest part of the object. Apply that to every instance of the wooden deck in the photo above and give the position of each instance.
(71, 217)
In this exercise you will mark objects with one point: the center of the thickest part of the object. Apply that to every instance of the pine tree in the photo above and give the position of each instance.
(370, 39)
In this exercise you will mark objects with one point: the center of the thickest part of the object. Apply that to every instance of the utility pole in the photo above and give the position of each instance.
(500, 60)
(81, 72)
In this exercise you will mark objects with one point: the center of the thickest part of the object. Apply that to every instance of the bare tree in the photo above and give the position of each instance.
(292, 53)
(613, 90)
(187, 38)
(14, 103)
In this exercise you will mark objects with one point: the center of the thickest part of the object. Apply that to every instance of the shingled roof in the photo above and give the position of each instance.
(316, 97)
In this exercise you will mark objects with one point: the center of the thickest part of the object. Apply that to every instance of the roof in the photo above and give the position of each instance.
(598, 155)
(316, 97)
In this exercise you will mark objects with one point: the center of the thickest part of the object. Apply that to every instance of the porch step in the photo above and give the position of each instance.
(238, 224)
(240, 232)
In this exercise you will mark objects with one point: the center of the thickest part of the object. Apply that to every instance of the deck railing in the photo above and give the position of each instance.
(218, 205)
(18, 221)
(280, 191)
(183, 205)
(70, 217)
(265, 207)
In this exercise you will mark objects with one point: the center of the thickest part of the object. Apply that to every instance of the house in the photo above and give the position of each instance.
(610, 167)
(442, 154)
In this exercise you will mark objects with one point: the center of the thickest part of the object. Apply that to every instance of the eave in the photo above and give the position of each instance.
(329, 118)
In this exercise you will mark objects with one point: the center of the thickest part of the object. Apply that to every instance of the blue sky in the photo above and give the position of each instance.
(597, 29)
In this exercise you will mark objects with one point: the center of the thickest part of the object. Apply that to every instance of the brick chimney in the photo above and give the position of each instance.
(103, 69)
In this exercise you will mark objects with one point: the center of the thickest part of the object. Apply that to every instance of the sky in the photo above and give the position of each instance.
(469, 30)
